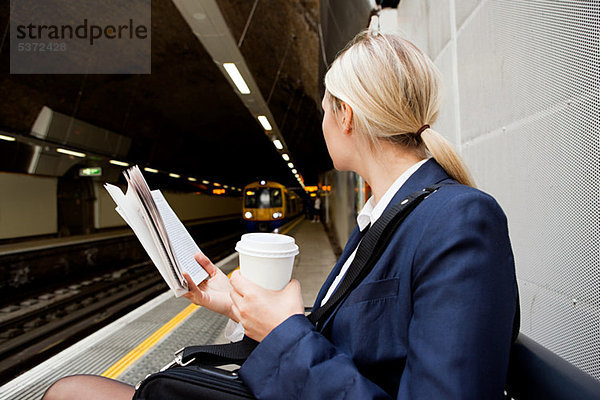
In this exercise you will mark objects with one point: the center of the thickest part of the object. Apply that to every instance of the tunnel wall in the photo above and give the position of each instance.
(27, 205)
(187, 206)
(521, 103)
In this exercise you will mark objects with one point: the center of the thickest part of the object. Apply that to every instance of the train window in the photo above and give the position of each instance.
(276, 198)
(263, 198)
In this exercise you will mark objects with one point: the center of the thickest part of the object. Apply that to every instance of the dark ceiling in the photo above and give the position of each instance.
(185, 117)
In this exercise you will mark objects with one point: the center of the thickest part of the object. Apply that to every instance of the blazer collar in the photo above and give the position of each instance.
(429, 174)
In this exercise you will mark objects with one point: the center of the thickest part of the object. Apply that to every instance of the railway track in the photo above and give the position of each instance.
(40, 327)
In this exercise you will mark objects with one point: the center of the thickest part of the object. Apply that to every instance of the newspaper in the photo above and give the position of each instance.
(162, 234)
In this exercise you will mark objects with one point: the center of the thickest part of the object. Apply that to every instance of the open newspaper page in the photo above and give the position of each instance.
(162, 234)
(129, 209)
(153, 219)
(182, 244)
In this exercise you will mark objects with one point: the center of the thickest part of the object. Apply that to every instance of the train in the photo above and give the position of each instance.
(268, 205)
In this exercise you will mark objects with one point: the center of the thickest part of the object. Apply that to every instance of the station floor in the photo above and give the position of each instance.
(144, 340)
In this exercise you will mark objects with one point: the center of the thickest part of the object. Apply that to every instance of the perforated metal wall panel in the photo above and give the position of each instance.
(522, 100)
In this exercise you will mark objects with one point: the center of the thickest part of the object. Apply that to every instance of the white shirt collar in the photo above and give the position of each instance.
(371, 211)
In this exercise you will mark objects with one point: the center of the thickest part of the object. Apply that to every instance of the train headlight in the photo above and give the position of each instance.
(277, 215)
(248, 214)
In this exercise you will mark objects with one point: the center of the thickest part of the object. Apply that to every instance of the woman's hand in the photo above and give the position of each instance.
(213, 292)
(261, 310)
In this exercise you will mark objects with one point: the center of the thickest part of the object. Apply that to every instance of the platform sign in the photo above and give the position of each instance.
(95, 171)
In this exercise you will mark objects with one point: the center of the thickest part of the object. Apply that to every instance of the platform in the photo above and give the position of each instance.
(144, 340)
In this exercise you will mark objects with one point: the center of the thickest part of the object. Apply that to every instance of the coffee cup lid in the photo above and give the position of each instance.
(270, 245)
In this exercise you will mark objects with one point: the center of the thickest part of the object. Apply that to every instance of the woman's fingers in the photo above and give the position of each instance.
(205, 263)
(194, 293)
(243, 285)
(261, 310)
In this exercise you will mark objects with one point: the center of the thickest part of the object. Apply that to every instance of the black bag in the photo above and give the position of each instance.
(194, 372)
(193, 382)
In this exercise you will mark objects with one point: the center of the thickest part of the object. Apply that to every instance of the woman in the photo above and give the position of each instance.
(433, 319)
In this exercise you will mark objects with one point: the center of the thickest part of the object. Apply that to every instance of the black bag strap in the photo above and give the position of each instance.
(369, 250)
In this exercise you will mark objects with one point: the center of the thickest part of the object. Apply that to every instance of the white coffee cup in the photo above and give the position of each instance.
(267, 258)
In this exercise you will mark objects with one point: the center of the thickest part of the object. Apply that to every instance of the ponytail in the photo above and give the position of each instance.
(443, 152)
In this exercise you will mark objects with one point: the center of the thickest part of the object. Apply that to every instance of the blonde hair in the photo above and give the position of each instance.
(393, 90)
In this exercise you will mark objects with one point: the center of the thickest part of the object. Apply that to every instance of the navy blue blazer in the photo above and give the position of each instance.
(432, 320)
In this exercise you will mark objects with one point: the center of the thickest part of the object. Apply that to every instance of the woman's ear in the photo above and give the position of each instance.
(347, 116)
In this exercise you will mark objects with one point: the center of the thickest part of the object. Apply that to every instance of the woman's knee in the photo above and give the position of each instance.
(63, 389)
(89, 387)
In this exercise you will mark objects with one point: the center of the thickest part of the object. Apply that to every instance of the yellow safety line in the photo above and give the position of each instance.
(229, 274)
(117, 369)
(120, 366)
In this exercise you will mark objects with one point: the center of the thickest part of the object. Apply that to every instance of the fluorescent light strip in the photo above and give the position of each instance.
(206, 182)
(70, 153)
(278, 144)
(290, 165)
(265, 123)
(285, 157)
(7, 138)
(236, 77)
(148, 169)
(294, 171)
(174, 175)
(217, 184)
(192, 179)
(119, 163)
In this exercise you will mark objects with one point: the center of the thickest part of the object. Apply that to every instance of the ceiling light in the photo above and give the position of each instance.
(192, 179)
(265, 123)
(226, 187)
(7, 138)
(119, 163)
(290, 165)
(71, 153)
(174, 175)
(148, 169)
(217, 184)
(237, 78)
(294, 171)
(278, 144)
(206, 182)
(285, 157)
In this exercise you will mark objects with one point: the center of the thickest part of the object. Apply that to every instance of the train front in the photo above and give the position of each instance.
(264, 205)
